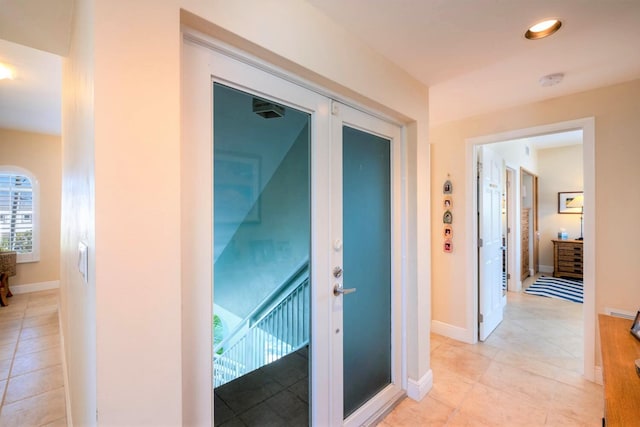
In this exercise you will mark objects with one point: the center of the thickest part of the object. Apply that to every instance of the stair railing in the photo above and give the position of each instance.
(276, 327)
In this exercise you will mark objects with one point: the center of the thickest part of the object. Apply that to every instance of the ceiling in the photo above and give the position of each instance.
(471, 54)
(32, 100)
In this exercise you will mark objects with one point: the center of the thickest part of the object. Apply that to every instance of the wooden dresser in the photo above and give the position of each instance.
(567, 258)
(621, 384)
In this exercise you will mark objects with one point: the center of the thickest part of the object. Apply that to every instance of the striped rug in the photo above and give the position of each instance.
(555, 287)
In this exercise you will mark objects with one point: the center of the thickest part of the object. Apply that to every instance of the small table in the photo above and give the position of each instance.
(621, 383)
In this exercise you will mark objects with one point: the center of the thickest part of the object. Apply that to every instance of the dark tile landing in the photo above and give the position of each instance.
(275, 395)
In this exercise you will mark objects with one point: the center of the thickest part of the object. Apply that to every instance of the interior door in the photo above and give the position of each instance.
(366, 194)
(490, 251)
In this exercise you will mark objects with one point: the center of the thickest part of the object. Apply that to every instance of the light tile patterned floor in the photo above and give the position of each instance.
(527, 373)
(31, 383)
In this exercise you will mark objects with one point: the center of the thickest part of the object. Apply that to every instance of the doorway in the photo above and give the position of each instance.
(529, 229)
(587, 127)
(305, 220)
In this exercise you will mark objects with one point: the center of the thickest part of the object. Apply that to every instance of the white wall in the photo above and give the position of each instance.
(78, 299)
(125, 325)
(39, 154)
(560, 171)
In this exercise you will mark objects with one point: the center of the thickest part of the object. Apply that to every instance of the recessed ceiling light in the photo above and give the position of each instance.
(6, 72)
(543, 29)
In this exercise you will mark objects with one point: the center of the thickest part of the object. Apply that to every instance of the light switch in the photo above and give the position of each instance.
(83, 261)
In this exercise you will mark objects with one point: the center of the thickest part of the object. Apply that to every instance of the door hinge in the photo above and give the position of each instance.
(508, 276)
(335, 108)
(479, 168)
(480, 318)
(480, 242)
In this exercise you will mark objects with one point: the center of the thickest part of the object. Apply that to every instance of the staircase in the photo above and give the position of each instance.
(276, 327)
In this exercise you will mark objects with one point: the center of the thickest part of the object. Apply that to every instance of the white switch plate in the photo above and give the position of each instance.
(83, 261)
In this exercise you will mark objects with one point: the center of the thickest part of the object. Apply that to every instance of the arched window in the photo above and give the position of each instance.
(19, 194)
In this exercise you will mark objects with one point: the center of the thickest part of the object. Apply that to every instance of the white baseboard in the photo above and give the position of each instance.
(65, 372)
(455, 332)
(545, 268)
(34, 287)
(417, 390)
(598, 375)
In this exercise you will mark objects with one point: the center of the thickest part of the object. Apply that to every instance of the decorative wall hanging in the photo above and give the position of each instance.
(447, 202)
(447, 218)
(447, 188)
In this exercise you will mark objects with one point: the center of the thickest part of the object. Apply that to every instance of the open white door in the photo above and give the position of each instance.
(490, 247)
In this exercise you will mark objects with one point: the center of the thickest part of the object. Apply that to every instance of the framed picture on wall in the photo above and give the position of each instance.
(570, 202)
(237, 188)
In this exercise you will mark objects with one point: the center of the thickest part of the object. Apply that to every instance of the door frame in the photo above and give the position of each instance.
(534, 232)
(587, 125)
(510, 182)
(197, 388)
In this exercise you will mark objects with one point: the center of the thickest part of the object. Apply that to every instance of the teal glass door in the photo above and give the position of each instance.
(261, 218)
(367, 266)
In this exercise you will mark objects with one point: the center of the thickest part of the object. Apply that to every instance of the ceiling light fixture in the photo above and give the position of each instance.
(543, 29)
(5, 72)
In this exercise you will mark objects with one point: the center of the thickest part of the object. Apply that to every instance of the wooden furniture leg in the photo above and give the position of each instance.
(6, 286)
(3, 289)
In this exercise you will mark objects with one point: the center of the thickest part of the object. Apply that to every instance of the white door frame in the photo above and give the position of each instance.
(197, 254)
(587, 125)
(511, 229)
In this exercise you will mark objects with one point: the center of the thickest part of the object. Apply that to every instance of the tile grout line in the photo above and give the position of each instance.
(13, 359)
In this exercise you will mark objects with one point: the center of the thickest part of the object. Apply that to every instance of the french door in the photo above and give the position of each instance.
(304, 198)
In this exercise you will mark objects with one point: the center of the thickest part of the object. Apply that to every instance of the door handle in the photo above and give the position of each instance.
(339, 290)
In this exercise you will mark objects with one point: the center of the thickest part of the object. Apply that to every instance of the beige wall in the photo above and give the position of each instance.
(78, 299)
(40, 155)
(559, 170)
(617, 152)
(122, 124)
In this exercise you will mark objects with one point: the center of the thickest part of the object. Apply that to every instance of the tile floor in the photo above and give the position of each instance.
(527, 373)
(274, 395)
(31, 382)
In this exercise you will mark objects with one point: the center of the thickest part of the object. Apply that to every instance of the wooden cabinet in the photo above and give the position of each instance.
(524, 242)
(567, 258)
(621, 384)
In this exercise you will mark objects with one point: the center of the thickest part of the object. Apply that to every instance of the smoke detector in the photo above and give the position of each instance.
(551, 79)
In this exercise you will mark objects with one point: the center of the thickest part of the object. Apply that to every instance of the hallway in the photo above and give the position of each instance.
(31, 379)
(528, 372)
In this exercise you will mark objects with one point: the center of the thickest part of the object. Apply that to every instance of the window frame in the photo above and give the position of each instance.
(34, 255)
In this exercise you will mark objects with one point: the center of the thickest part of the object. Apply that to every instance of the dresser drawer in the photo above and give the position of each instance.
(569, 251)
